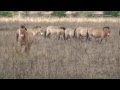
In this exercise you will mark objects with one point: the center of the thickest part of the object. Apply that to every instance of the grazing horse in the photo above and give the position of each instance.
(54, 30)
(25, 37)
(99, 33)
(42, 31)
(38, 29)
(81, 32)
(69, 33)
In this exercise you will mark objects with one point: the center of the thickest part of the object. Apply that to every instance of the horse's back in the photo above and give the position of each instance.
(69, 31)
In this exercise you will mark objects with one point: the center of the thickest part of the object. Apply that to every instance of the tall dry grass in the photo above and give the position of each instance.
(63, 19)
(52, 58)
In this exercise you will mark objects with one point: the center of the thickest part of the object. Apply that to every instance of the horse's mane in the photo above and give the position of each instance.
(106, 27)
(62, 28)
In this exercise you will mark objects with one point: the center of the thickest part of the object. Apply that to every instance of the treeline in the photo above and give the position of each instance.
(8, 13)
(59, 13)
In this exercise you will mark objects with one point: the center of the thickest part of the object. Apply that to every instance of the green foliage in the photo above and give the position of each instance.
(112, 13)
(6, 13)
(59, 13)
(83, 14)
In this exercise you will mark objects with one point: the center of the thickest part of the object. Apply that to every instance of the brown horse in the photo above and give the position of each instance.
(54, 30)
(25, 37)
(99, 33)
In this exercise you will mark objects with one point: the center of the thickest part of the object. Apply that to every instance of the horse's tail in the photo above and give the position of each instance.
(87, 35)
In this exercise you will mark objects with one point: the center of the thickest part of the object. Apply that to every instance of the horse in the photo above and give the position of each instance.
(99, 33)
(55, 30)
(82, 32)
(25, 37)
(69, 33)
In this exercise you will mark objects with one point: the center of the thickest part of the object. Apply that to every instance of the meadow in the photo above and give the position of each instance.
(60, 59)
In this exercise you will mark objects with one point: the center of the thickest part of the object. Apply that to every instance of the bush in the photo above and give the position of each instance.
(59, 13)
(112, 13)
(84, 14)
(6, 13)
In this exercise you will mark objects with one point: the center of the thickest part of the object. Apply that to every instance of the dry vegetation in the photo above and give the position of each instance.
(52, 58)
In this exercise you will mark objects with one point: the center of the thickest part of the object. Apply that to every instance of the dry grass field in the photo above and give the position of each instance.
(60, 59)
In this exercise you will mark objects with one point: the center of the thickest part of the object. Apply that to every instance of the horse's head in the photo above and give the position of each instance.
(23, 27)
(107, 30)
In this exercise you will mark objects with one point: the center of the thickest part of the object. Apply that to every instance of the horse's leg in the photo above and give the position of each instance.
(18, 47)
(64, 36)
(96, 40)
(74, 36)
(68, 36)
(58, 36)
(119, 32)
(27, 48)
(81, 38)
(77, 36)
(89, 38)
(86, 39)
(101, 40)
(45, 34)
(49, 35)
(105, 39)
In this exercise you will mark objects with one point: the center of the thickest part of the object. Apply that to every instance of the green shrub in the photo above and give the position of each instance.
(59, 13)
(6, 13)
(112, 13)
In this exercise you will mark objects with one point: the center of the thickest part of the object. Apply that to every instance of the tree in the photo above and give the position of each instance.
(59, 13)
(113, 13)
(6, 13)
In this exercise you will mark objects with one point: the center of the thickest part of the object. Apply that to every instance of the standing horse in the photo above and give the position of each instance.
(25, 37)
(54, 30)
(81, 32)
(99, 33)
(69, 33)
